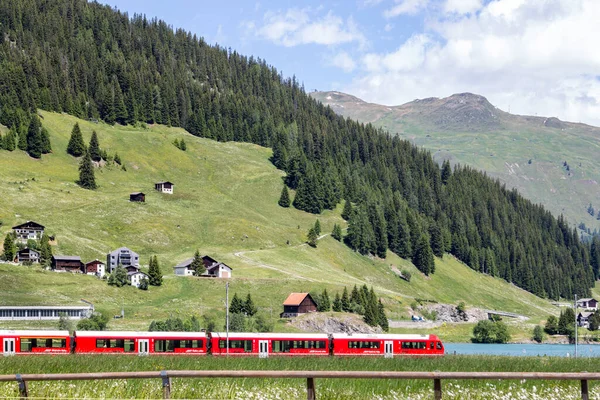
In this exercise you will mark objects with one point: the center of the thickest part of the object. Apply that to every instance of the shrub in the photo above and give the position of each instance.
(538, 334)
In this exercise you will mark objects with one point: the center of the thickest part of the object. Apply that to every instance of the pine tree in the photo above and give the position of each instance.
(284, 199)
(87, 180)
(182, 145)
(337, 303)
(337, 233)
(197, 264)
(10, 140)
(117, 159)
(34, 138)
(76, 147)
(345, 300)
(9, 247)
(249, 307)
(446, 172)
(325, 302)
(436, 240)
(423, 258)
(347, 211)
(22, 140)
(318, 227)
(45, 251)
(46, 145)
(382, 318)
(118, 277)
(237, 305)
(94, 148)
(312, 237)
(154, 274)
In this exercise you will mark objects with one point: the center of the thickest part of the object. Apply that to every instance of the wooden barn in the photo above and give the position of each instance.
(298, 303)
(95, 267)
(137, 196)
(67, 263)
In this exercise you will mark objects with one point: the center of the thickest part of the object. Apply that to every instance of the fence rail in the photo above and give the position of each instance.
(310, 376)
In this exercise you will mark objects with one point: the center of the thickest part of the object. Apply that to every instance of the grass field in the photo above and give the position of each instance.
(225, 205)
(295, 388)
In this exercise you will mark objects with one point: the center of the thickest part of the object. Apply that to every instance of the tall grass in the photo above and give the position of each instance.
(240, 388)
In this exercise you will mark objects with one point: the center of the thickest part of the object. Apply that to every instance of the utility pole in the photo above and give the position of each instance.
(575, 326)
(227, 314)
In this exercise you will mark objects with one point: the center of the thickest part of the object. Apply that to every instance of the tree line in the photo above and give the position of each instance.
(94, 62)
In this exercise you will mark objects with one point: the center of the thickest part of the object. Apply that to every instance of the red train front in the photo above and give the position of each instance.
(386, 345)
(34, 342)
(191, 343)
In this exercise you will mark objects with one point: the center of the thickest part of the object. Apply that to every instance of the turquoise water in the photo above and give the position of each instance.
(554, 350)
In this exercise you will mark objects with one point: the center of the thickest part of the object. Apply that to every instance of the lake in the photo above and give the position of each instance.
(554, 350)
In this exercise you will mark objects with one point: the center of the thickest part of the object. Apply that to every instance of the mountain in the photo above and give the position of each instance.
(98, 64)
(552, 162)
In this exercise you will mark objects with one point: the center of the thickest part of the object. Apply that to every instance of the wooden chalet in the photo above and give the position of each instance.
(137, 196)
(28, 255)
(588, 304)
(67, 263)
(214, 268)
(95, 267)
(28, 230)
(164, 187)
(298, 303)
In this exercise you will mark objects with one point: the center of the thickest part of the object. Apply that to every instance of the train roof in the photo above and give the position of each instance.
(303, 336)
(122, 334)
(38, 333)
(386, 336)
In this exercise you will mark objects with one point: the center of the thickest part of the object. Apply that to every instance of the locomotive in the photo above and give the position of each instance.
(261, 345)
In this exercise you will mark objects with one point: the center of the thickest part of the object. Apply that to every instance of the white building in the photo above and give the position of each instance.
(164, 187)
(134, 277)
(183, 268)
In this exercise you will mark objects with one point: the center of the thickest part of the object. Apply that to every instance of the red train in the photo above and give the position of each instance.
(261, 345)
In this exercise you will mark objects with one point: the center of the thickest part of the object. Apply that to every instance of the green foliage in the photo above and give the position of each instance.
(337, 303)
(210, 325)
(87, 179)
(154, 274)
(538, 334)
(180, 144)
(10, 250)
(97, 322)
(262, 324)
(345, 300)
(35, 145)
(237, 305)
(284, 199)
(436, 240)
(406, 274)
(64, 323)
(197, 264)
(566, 321)
(144, 283)
(118, 277)
(237, 322)
(317, 227)
(312, 237)
(94, 148)
(117, 159)
(191, 324)
(487, 331)
(551, 327)
(594, 321)
(45, 251)
(324, 302)
(46, 146)
(10, 140)
(336, 233)
(249, 308)
(76, 146)
(446, 172)
(423, 257)
(381, 317)
(347, 211)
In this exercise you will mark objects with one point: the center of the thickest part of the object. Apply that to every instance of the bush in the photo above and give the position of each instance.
(97, 322)
(430, 315)
(487, 331)
(406, 274)
(538, 334)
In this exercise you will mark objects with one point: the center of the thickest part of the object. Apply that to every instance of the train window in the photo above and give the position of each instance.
(129, 345)
(190, 344)
(59, 343)
(26, 345)
(159, 346)
(438, 345)
(100, 343)
(246, 345)
(321, 344)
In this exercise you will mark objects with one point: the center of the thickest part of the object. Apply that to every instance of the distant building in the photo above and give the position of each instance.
(183, 268)
(134, 277)
(122, 256)
(28, 255)
(298, 303)
(164, 187)
(137, 196)
(95, 267)
(28, 230)
(587, 304)
(214, 268)
(67, 263)
(16, 313)
(583, 319)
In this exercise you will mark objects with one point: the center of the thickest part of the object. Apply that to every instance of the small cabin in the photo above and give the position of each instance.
(96, 267)
(164, 187)
(67, 263)
(298, 303)
(137, 196)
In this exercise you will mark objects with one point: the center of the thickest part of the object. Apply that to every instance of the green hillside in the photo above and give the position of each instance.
(225, 205)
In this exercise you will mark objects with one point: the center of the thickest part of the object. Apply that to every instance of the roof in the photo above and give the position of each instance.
(136, 193)
(45, 307)
(376, 336)
(161, 183)
(112, 334)
(122, 248)
(294, 299)
(217, 266)
(67, 258)
(29, 224)
(585, 314)
(234, 335)
(96, 261)
(130, 273)
(27, 249)
(184, 264)
(582, 300)
(33, 333)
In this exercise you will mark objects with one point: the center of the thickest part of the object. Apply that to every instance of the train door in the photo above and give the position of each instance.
(143, 346)
(263, 348)
(388, 347)
(8, 346)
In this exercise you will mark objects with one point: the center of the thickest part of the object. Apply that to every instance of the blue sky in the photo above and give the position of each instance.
(537, 57)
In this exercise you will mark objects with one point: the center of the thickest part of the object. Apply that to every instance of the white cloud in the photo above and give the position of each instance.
(342, 60)
(462, 6)
(297, 26)
(539, 57)
(409, 7)
(388, 27)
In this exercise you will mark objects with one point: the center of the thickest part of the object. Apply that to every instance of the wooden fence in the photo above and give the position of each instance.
(310, 377)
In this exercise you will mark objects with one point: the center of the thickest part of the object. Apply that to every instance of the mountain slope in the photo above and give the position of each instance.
(467, 129)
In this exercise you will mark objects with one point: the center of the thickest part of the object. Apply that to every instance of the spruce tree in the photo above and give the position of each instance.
(423, 257)
(76, 147)
(87, 180)
(94, 148)
(46, 145)
(337, 303)
(312, 237)
(318, 227)
(117, 159)
(118, 277)
(345, 301)
(182, 145)
(347, 211)
(10, 140)
(22, 140)
(436, 240)
(249, 307)
(325, 303)
(284, 199)
(34, 138)
(446, 172)
(45, 251)
(237, 305)
(154, 274)
(9, 247)
(337, 233)
(197, 264)
(383, 321)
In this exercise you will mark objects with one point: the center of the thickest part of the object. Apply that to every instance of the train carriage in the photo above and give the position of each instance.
(265, 345)
(190, 343)
(34, 342)
(386, 345)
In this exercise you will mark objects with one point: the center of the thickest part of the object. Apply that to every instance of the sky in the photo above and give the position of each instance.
(533, 57)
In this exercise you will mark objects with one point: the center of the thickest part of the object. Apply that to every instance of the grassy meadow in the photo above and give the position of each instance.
(225, 205)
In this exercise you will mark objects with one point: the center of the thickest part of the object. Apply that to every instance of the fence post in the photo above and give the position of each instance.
(310, 389)
(584, 390)
(22, 386)
(437, 389)
(166, 383)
